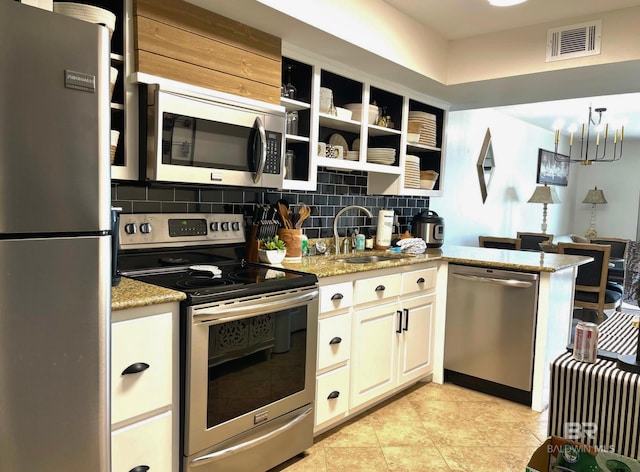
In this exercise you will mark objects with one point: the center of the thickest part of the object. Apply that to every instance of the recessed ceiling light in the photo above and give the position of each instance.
(505, 3)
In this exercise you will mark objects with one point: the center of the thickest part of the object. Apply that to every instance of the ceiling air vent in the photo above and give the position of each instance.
(569, 42)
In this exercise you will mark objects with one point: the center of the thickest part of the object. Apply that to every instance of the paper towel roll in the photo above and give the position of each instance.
(384, 230)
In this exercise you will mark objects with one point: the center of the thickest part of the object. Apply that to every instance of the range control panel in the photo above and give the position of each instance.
(159, 230)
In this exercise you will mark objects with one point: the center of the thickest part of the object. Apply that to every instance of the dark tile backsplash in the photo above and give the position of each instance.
(335, 191)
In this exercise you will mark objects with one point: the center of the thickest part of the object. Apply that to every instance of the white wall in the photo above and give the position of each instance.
(506, 211)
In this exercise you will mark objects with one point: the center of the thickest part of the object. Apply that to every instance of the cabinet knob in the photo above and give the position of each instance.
(380, 288)
(140, 468)
(337, 296)
(336, 340)
(334, 394)
(135, 369)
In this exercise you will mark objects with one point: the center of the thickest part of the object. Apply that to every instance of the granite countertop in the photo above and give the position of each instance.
(131, 293)
(511, 259)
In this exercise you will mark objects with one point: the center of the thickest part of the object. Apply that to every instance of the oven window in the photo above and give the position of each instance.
(254, 362)
(195, 142)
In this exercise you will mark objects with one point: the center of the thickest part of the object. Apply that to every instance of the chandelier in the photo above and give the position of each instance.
(593, 141)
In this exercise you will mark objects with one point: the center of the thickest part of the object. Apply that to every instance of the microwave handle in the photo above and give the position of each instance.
(263, 149)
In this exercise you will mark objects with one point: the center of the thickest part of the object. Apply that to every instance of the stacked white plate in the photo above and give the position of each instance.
(352, 155)
(412, 172)
(426, 123)
(87, 13)
(381, 155)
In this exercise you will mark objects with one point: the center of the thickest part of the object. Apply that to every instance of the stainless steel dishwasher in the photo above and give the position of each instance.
(490, 330)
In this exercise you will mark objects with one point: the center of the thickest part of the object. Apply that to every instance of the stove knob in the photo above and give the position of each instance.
(225, 226)
(235, 226)
(145, 228)
(130, 228)
(214, 226)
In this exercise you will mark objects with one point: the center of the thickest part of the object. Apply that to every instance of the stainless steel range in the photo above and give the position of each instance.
(248, 339)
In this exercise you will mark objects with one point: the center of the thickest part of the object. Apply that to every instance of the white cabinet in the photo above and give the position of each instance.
(144, 388)
(309, 74)
(374, 338)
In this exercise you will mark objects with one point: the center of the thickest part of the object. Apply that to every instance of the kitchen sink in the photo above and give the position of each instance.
(369, 259)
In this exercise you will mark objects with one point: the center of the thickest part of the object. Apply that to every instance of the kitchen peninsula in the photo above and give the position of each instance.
(557, 274)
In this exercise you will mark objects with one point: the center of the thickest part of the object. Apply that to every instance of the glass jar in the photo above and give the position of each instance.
(288, 164)
(292, 122)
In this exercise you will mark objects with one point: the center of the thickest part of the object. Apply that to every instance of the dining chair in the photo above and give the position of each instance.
(531, 241)
(619, 251)
(591, 290)
(498, 242)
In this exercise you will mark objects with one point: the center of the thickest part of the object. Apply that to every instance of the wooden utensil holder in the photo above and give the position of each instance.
(293, 239)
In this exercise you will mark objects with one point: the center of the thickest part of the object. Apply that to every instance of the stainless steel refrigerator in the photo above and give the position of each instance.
(55, 242)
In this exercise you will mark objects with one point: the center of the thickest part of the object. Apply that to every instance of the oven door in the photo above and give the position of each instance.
(250, 379)
(197, 140)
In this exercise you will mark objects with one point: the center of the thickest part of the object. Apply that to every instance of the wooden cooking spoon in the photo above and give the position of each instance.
(303, 214)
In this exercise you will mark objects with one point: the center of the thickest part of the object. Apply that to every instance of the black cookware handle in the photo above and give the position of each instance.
(140, 468)
(337, 296)
(135, 368)
(380, 288)
(399, 330)
(336, 340)
(334, 394)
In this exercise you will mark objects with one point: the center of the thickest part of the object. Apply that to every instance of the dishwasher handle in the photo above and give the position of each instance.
(493, 280)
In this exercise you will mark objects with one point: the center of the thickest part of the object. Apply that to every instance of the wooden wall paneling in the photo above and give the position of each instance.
(180, 41)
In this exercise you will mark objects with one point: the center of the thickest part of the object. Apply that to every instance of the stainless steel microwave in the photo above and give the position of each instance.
(211, 139)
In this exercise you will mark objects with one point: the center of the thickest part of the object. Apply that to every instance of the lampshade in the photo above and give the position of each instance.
(544, 194)
(595, 197)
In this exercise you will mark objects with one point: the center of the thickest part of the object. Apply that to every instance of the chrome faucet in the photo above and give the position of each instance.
(336, 239)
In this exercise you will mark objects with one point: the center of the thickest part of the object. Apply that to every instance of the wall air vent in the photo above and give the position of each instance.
(569, 42)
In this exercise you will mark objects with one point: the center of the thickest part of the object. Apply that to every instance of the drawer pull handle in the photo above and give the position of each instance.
(135, 369)
(399, 330)
(336, 340)
(140, 468)
(406, 319)
(380, 288)
(337, 296)
(420, 280)
(334, 394)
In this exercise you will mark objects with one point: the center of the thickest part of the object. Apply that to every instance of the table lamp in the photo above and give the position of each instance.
(545, 195)
(595, 197)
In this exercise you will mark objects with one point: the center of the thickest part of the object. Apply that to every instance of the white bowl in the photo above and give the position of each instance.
(343, 113)
(112, 79)
(413, 137)
(115, 136)
(356, 108)
(275, 256)
(87, 13)
(427, 184)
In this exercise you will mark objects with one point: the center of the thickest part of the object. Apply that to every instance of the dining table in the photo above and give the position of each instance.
(598, 403)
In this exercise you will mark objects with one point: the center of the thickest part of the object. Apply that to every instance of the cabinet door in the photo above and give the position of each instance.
(374, 353)
(147, 443)
(332, 395)
(145, 345)
(416, 345)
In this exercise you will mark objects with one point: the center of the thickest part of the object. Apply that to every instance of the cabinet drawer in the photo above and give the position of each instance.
(419, 280)
(147, 443)
(134, 343)
(336, 297)
(376, 289)
(334, 340)
(332, 394)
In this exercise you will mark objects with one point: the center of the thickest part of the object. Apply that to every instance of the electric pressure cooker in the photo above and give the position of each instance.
(430, 227)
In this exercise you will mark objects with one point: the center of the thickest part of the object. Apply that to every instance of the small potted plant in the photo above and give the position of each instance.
(273, 250)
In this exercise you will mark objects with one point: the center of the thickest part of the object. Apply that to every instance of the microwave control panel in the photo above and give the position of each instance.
(274, 153)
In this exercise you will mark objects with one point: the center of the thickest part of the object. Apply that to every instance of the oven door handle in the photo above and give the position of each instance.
(225, 315)
(251, 443)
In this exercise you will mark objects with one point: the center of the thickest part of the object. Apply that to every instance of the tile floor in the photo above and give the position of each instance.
(431, 428)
